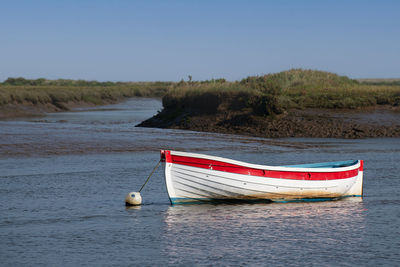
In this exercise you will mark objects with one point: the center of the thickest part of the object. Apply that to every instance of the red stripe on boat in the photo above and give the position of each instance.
(233, 168)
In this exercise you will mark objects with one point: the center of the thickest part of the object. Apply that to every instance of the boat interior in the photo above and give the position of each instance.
(336, 164)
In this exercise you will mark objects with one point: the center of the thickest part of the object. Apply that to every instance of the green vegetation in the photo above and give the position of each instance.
(272, 94)
(380, 81)
(60, 92)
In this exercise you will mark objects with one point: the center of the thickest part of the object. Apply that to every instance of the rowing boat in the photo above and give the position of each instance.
(196, 178)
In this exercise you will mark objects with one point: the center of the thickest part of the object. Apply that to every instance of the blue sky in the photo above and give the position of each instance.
(169, 40)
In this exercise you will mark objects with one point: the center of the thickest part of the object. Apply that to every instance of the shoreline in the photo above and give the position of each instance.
(378, 121)
(27, 109)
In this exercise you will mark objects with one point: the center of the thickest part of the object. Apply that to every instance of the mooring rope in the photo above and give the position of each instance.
(148, 178)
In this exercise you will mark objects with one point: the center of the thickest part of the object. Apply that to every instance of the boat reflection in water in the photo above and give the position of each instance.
(240, 234)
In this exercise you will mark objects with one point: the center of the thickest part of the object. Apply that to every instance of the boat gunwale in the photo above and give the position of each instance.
(356, 165)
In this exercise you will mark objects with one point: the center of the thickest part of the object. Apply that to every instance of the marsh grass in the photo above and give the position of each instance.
(264, 95)
(386, 81)
(274, 93)
(351, 97)
(58, 93)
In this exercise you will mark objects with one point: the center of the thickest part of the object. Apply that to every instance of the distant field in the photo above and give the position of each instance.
(59, 92)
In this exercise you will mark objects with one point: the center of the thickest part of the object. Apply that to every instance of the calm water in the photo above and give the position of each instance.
(63, 179)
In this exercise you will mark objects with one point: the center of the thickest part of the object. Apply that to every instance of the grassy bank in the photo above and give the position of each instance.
(273, 94)
(294, 103)
(268, 95)
(61, 92)
(263, 95)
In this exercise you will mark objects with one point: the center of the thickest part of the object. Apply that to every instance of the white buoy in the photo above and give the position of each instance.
(133, 199)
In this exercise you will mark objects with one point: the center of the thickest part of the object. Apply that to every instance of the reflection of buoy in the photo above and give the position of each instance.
(133, 199)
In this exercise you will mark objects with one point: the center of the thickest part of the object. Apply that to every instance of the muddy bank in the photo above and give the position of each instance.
(381, 121)
(27, 109)
(12, 111)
